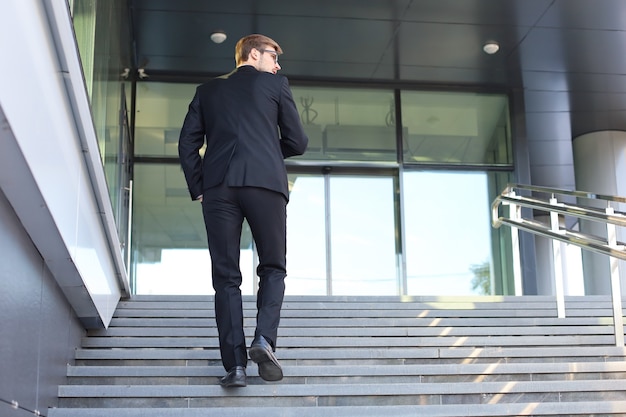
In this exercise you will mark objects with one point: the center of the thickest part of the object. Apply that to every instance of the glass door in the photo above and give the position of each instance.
(448, 233)
(341, 236)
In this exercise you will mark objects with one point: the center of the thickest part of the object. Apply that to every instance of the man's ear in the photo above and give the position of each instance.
(254, 54)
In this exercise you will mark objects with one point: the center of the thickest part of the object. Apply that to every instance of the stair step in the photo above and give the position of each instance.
(426, 312)
(378, 299)
(550, 353)
(586, 408)
(289, 395)
(326, 331)
(381, 321)
(298, 390)
(366, 313)
(372, 370)
(591, 304)
(359, 342)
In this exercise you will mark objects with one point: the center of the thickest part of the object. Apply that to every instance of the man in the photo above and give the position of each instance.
(243, 175)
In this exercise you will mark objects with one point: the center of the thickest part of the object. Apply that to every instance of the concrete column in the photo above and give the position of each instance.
(600, 167)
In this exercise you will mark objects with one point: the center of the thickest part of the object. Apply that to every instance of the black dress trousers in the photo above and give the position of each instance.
(224, 209)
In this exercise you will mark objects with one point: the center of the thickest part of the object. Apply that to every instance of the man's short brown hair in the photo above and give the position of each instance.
(254, 41)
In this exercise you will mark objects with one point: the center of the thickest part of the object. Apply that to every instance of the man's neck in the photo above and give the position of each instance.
(249, 64)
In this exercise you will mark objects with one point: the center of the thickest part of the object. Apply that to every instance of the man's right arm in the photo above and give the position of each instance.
(293, 140)
(189, 143)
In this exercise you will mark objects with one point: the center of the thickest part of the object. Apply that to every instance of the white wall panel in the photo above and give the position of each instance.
(46, 114)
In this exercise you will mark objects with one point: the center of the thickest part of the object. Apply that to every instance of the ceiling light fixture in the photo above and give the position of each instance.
(218, 36)
(491, 47)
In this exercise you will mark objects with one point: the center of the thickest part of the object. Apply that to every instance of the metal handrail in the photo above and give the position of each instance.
(550, 205)
(574, 193)
(581, 212)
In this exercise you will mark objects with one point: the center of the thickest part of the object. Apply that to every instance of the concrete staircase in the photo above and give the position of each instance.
(358, 356)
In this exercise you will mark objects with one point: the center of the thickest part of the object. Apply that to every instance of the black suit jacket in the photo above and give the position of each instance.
(240, 115)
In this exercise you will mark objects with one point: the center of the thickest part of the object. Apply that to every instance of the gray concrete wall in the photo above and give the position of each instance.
(38, 329)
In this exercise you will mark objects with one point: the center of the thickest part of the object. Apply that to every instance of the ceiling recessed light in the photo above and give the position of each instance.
(218, 36)
(491, 47)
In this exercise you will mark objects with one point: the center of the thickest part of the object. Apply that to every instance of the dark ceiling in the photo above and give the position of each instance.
(566, 55)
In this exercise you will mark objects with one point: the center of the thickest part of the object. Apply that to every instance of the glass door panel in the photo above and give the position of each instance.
(362, 238)
(306, 236)
(341, 236)
(447, 233)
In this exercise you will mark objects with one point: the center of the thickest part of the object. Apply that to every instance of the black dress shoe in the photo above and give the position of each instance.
(236, 377)
(261, 352)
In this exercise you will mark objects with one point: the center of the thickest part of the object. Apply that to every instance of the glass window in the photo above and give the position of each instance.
(347, 124)
(102, 40)
(84, 20)
(170, 249)
(160, 113)
(456, 128)
(343, 226)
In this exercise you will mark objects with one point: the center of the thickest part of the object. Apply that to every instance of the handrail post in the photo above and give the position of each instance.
(515, 214)
(616, 290)
(558, 263)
